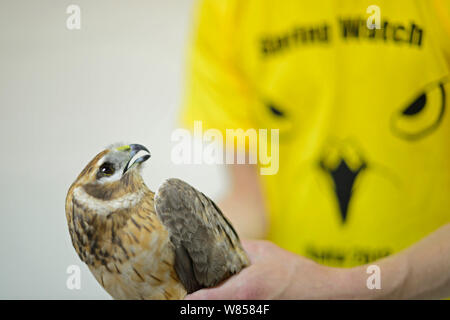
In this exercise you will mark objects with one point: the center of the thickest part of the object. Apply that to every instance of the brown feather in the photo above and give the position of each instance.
(129, 250)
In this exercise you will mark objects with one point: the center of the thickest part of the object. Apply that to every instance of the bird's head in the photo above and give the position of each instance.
(112, 174)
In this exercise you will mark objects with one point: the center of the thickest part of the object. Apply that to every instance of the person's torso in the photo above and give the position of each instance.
(364, 130)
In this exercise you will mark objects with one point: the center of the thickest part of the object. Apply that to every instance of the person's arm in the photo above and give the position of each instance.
(244, 203)
(419, 272)
(422, 271)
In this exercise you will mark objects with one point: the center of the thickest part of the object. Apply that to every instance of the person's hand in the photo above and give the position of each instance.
(274, 273)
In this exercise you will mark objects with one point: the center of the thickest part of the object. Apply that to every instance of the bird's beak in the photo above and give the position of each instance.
(133, 149)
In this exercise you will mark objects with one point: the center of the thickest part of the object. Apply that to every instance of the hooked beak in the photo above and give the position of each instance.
(134, 149)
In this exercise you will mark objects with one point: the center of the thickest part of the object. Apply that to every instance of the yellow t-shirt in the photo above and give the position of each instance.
(364, 159)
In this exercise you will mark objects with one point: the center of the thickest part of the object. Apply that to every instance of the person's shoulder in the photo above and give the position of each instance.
(440, 11)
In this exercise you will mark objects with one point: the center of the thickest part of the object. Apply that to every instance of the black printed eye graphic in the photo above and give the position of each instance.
(422, 116)
(270, 114)
(416, 106)
(276, 110)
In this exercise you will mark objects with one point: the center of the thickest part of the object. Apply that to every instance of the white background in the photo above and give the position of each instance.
(64, 95)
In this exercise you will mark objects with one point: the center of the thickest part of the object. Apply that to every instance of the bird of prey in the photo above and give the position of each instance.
(142, 245)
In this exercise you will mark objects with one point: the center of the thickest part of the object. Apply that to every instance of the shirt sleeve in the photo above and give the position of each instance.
(442, 13)
(216, 91)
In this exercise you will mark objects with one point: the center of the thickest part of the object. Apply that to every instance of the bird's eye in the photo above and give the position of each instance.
(106, 169)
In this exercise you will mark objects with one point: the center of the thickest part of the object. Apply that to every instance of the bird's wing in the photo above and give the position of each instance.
(207, 248)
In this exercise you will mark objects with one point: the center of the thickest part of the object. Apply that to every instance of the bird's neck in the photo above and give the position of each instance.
(98, 233)
(131, 183)
(111, 205)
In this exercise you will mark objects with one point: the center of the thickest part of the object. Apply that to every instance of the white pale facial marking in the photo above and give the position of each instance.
(137, 156)
(104, 207)
(112, 178)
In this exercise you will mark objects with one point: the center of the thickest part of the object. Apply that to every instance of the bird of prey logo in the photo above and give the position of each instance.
(142, 245)
(343, 163)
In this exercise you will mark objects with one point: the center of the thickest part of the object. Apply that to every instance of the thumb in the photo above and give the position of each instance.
(224, 291)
